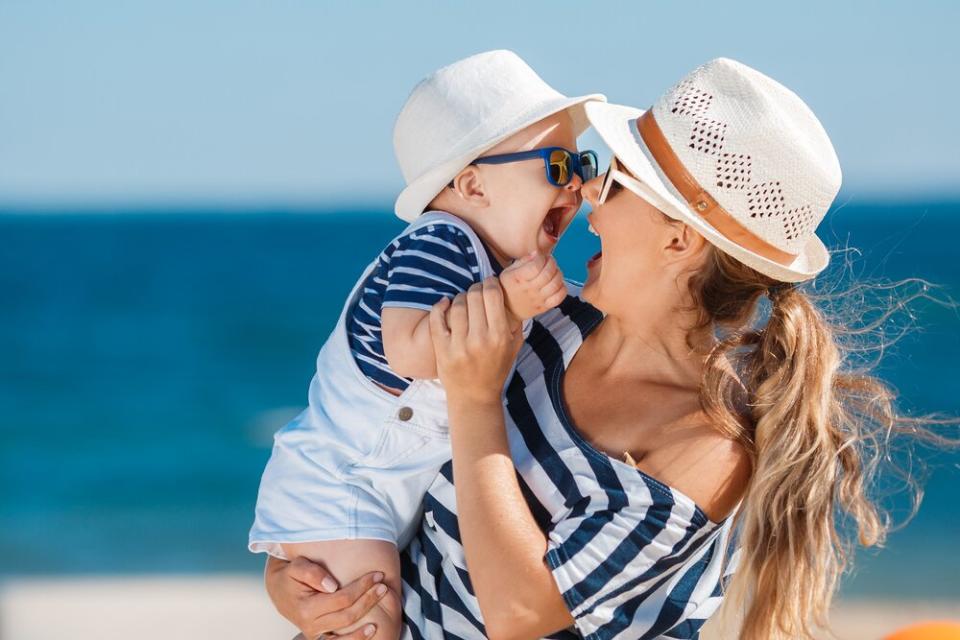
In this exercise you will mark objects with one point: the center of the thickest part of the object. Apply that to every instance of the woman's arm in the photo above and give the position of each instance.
(504, 547)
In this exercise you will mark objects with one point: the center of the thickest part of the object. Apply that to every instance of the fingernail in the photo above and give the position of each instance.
(368, 630)
(329, 584)
(378, 577)
(382, 589)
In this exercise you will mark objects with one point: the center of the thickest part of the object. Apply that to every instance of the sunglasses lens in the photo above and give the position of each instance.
(559, 167)
(588, 166)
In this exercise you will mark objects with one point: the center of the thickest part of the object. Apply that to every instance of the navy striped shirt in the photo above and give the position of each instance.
(632, 557)
(415, 271)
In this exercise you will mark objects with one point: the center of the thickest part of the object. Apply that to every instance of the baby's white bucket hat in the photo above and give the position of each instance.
(457, 113)
(738, 157)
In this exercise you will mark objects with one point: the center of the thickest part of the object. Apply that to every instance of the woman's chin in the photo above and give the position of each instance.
(590, 284)
(594, 266)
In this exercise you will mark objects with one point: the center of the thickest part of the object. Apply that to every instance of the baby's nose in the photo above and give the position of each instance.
(576, 182)
(591, 190)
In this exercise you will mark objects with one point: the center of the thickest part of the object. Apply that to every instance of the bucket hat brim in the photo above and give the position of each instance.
(616, 125)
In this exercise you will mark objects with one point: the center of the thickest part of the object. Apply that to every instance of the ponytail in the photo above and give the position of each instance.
(815, 432)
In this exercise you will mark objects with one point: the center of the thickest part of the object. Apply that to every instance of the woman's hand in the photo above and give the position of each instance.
(307, 595)
(474, 344)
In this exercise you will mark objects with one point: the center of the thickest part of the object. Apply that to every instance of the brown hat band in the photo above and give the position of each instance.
(697, 197)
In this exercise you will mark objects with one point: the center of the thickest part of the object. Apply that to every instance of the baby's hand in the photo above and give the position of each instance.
(531, 285)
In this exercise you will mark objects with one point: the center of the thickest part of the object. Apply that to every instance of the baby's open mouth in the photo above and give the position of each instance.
(553, 223)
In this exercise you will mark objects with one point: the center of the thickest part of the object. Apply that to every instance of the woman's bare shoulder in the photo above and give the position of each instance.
(705, 465)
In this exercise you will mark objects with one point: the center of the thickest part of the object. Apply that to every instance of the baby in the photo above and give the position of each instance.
(488, 151)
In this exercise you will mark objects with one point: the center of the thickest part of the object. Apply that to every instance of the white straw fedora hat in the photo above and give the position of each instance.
(464, 109)
(738, 157)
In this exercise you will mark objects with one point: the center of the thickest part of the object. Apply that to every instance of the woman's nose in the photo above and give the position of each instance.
(591, 191)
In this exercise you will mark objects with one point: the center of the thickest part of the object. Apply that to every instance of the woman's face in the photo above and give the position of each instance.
(633, 234)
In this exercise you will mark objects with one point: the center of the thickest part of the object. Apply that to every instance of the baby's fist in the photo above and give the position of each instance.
(531, 285)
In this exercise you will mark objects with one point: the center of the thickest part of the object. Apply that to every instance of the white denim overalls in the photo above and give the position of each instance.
(358, 461)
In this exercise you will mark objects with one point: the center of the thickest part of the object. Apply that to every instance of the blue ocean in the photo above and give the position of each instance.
(146, 357)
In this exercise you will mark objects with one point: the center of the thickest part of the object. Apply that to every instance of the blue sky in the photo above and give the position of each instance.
(281, 102)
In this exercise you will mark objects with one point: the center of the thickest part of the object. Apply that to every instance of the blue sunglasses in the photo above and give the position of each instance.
(560, 164)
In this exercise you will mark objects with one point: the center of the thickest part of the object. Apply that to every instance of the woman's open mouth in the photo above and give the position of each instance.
(599, 254)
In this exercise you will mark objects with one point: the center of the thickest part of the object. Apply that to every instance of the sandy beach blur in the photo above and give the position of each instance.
(235, 606)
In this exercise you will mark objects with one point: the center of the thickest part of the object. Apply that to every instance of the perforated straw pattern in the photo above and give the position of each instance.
(707, 136)
(690, 101)
(735, 130)
(765, 200)
(733, 170)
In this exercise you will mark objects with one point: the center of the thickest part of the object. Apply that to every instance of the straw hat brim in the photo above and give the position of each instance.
(616, 125)
(417, 195)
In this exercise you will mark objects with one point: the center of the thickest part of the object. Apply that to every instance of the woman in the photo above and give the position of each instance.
(648, 418)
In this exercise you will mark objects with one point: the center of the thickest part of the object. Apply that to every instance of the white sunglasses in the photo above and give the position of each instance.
(628, 181)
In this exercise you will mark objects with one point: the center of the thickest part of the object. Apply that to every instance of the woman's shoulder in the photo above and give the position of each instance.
(710, 468)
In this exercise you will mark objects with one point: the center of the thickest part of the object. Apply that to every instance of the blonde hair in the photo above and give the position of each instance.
(815, 428)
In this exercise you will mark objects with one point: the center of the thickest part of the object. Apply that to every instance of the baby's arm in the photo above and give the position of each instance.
(426, 266)
(406, 342)
(531, 285)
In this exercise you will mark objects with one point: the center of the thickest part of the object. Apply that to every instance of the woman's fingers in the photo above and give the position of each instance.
(457, 316)
(313, 575)
(494, 307)
(476, 314)
(439, 330)
(299, 589)
(352, 602)
(360, 633)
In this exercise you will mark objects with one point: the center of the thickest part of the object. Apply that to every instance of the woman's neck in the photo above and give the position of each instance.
(650, 346)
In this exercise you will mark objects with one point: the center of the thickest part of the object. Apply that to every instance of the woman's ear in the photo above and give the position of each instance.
(468, 185)
(683, 242)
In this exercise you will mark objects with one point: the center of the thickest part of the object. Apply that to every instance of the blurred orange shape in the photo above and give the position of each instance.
(928, 631)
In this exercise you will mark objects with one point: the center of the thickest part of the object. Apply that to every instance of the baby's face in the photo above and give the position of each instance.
(526, 213)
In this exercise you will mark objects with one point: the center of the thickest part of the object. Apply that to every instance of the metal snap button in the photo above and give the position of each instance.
(405, 413)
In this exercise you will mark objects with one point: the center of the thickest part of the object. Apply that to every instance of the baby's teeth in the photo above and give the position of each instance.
(592, 230)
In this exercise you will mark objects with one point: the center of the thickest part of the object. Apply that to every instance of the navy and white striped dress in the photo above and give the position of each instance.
(415, 271)
(632, 557)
